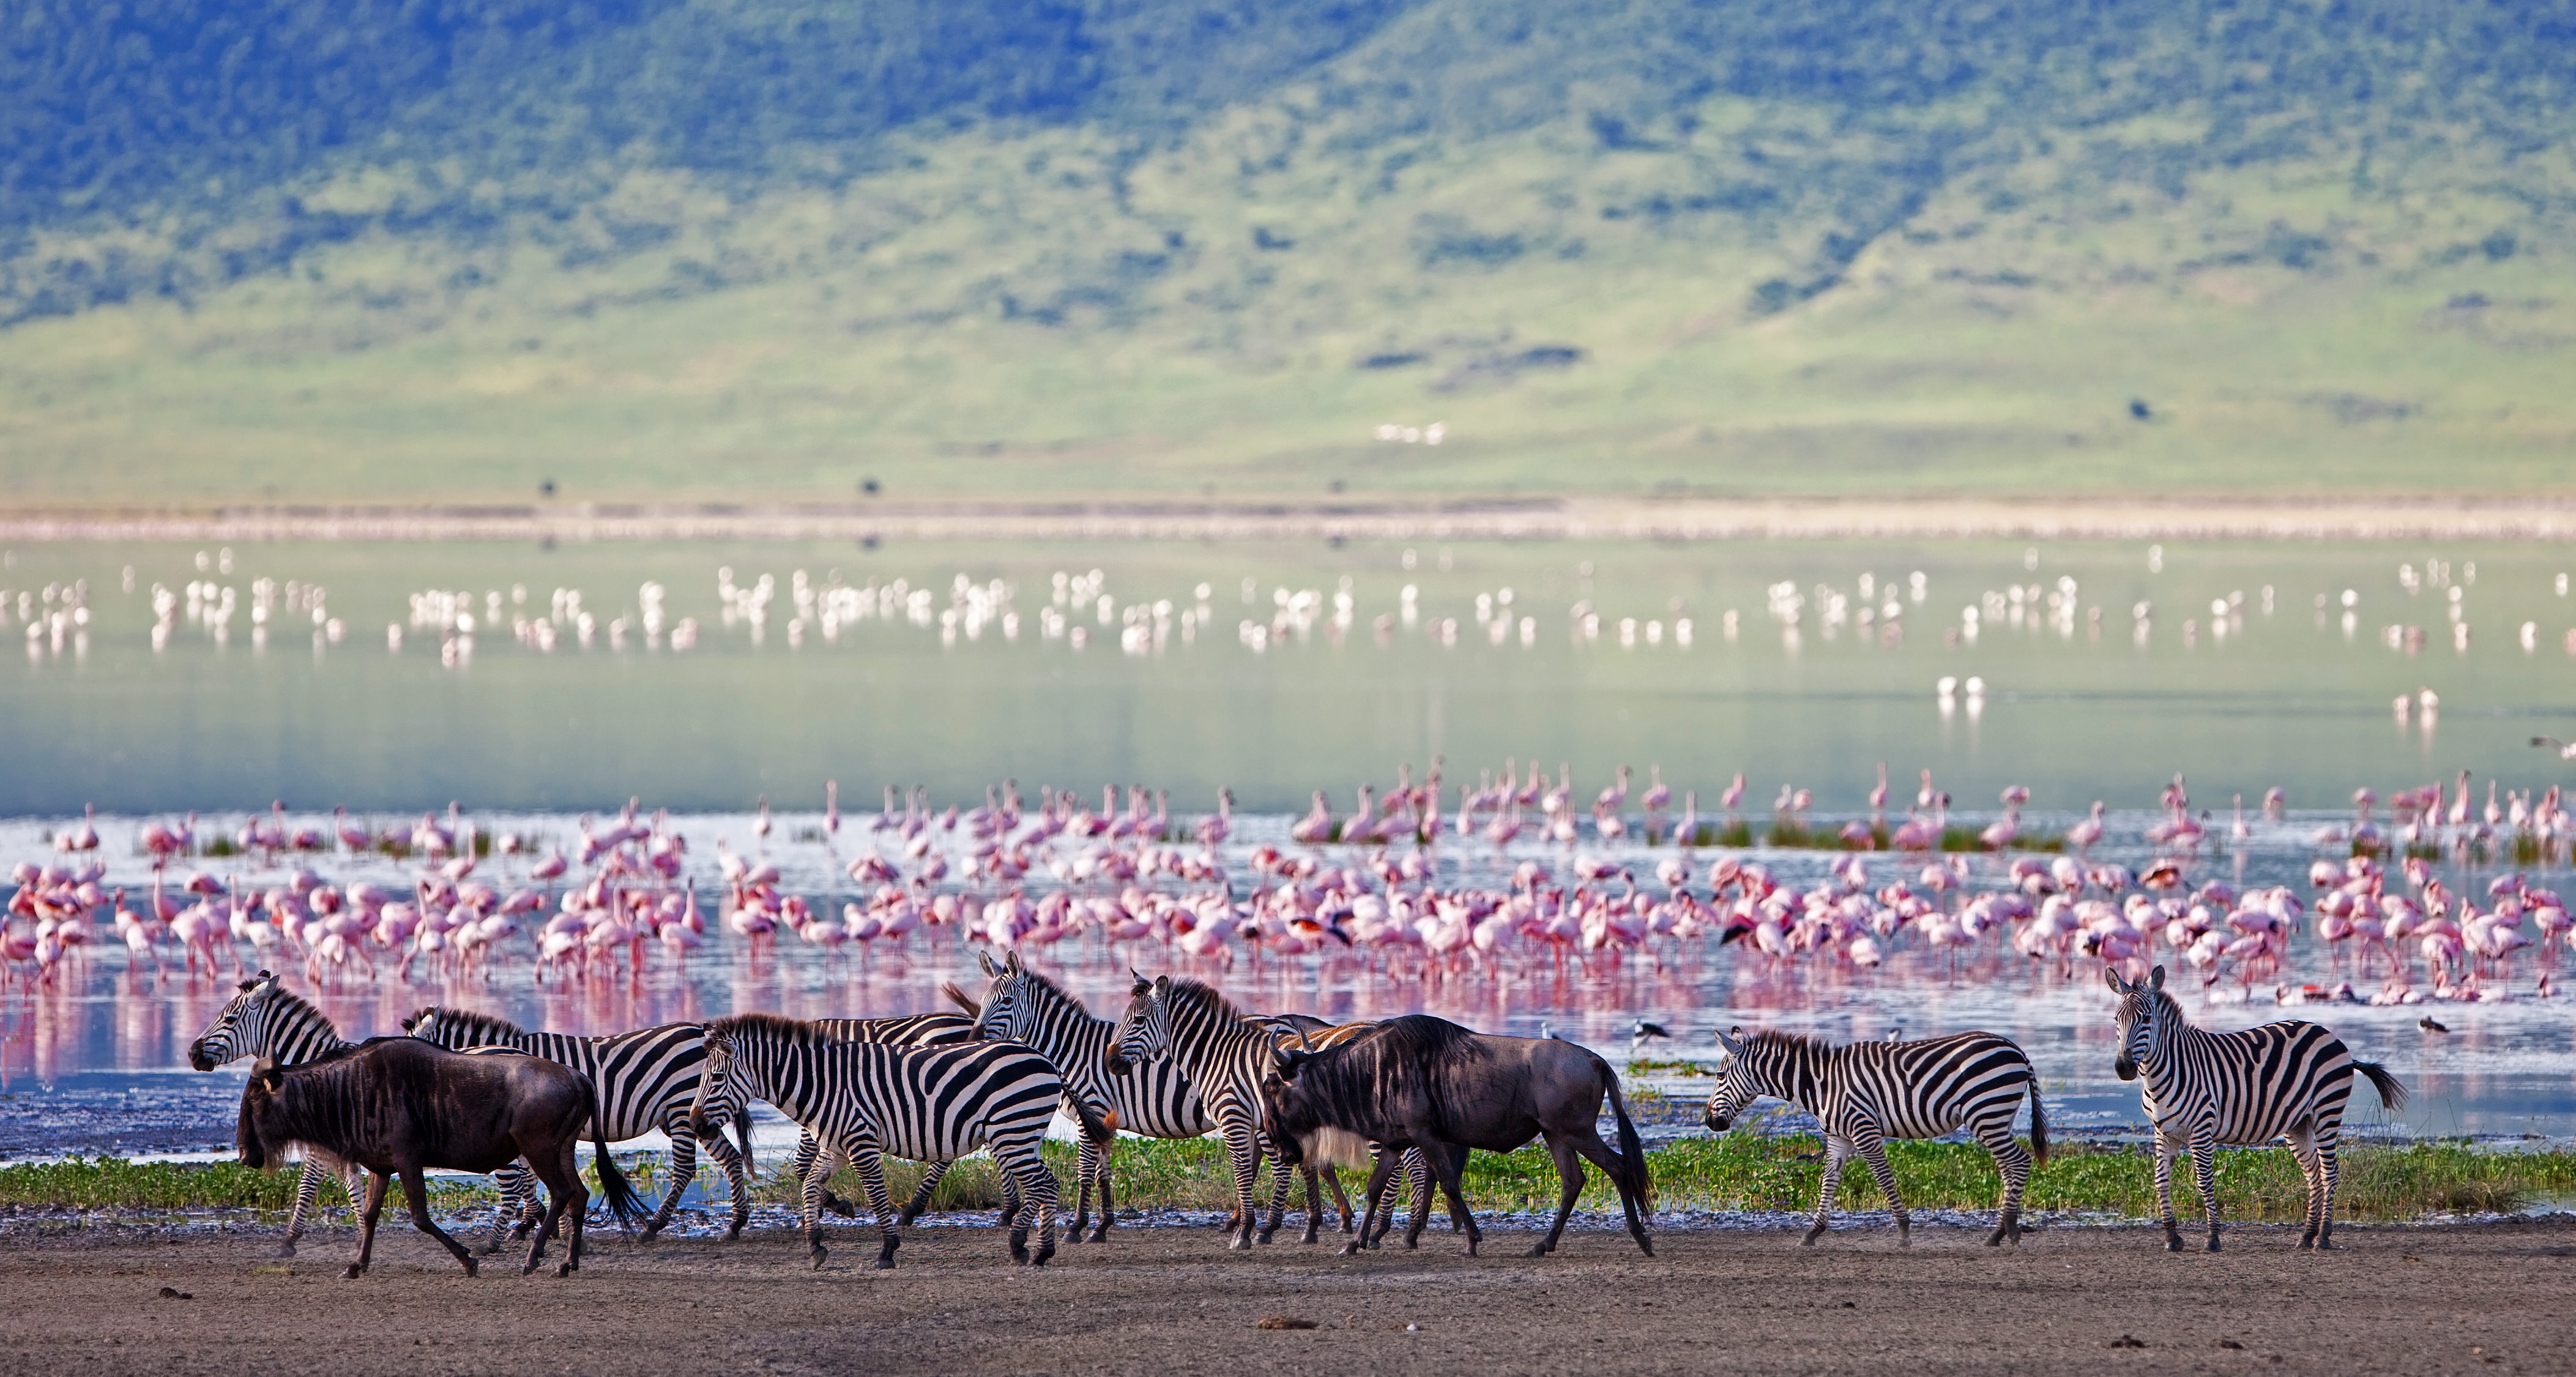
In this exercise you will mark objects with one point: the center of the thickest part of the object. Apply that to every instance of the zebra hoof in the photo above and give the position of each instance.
(2213, 1245)
(2173, 1243)
(1538, 1249)
(1240, 1244)
(286, 1250)
(565, 1270)
(1045, 1251)
(2326, 1245)
(821, 1252)
(1350, 1249)
(1101, 1234)
(351, 1272)
(650, 1232)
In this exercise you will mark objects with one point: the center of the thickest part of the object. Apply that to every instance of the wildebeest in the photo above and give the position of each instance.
(397, 1105)
(1425, 1082)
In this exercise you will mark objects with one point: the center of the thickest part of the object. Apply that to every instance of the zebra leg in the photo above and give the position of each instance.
(2012, 1161)
(2328, 1173)
(737, 1179)
(1086, 1166)
(2302, 1141)
(1837, 1152)
(1027, 1171)
(871, 1164)
(1108, 1209)
(2167, 1148)
(684, 1169)
(1279, 1175)
(307, 1186)
(516, 1208)
(803, 1163)
(1243, 1154)
(1873, 1150)
(819, 1170)
(2204, 1171)
(918, 1205)
(1417, 1181)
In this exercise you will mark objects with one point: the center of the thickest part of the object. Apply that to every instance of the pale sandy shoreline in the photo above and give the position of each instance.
(1466, 518)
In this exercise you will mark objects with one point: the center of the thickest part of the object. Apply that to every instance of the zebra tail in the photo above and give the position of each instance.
(1632, 1153)
(613, 1186)
(2038, 1125)
(974, 1007)
(1094, 1127)
(2391, 1094)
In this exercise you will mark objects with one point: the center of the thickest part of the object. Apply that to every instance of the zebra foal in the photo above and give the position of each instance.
(863, 1101)
(1869, 1092)
(2285, 1082)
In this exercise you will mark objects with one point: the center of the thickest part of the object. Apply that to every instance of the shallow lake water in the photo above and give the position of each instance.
(1190, 667)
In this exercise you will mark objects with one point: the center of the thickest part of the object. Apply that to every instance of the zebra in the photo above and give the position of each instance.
(865, 1100)
(646, 1080)
(1224, 1053)
(2284, 1082)
(265, 1019)
(909, 1030)
(1869, 1092)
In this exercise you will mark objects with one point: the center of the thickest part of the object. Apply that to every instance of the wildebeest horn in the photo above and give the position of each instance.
(1292, 1060)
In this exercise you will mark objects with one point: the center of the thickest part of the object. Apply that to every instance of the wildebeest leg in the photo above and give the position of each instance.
(1374, 1196)
(1341, 1202)
(416, 1195)
(367, 1224)
(1447, 1166)
(565, 1196)
(1569, 1173)
(1315, 1201)
(1629, 1204)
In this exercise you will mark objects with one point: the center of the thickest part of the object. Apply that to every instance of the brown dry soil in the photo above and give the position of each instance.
(2397, 1300)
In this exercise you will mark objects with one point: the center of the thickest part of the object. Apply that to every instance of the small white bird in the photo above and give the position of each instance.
(2566, 749)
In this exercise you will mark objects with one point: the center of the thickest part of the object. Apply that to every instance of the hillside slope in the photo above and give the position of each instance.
(731, 248)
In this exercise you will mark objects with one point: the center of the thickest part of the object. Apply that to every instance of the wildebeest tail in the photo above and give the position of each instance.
(613, 1186)
(1632, 1153)
(2038, 1124)
(2391, 1093)
(974, 1007)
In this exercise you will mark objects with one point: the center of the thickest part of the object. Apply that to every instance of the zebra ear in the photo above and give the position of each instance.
(2111, 977)
(1732, 1044)
(1011, 963)
(2156, 978)
(984, 958)
(1162, 985)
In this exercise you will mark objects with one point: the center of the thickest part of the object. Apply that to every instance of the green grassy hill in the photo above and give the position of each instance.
(759, 248)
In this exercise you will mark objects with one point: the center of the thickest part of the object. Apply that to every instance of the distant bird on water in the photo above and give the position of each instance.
(2428, 1024)
(2566, 749)
(1643, 1031)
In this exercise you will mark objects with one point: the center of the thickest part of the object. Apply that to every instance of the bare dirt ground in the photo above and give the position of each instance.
(2410, 1300)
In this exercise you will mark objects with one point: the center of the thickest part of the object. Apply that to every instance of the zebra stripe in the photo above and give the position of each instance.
(1224, 1053)
(909, 1030)
(2285, 1082)
(1869, 1092)
(646, 1081)
(864, 1101)
(267, 1020)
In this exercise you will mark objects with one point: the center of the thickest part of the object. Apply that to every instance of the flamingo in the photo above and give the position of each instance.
(831, 808)
(2084, 834)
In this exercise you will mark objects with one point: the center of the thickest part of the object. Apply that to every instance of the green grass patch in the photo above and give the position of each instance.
(1740, 1171)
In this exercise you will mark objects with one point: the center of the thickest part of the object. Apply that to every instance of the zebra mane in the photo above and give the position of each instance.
(1770, 1041)
(795, 1031)
(480, 1027)
(1047, 991)
(293, 1005)
(1200, 998)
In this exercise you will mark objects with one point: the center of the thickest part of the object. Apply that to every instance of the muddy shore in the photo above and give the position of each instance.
(2395, 1300)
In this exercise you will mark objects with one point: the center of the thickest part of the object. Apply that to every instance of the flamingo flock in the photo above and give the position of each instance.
(1398, 886)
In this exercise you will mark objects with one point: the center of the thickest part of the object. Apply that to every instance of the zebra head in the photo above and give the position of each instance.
(1739, 1082)
(429, 1026)
(715, 1079)
(1144, 1032)
(1007, 1012)
(2144, 1007)
(240, 1030)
